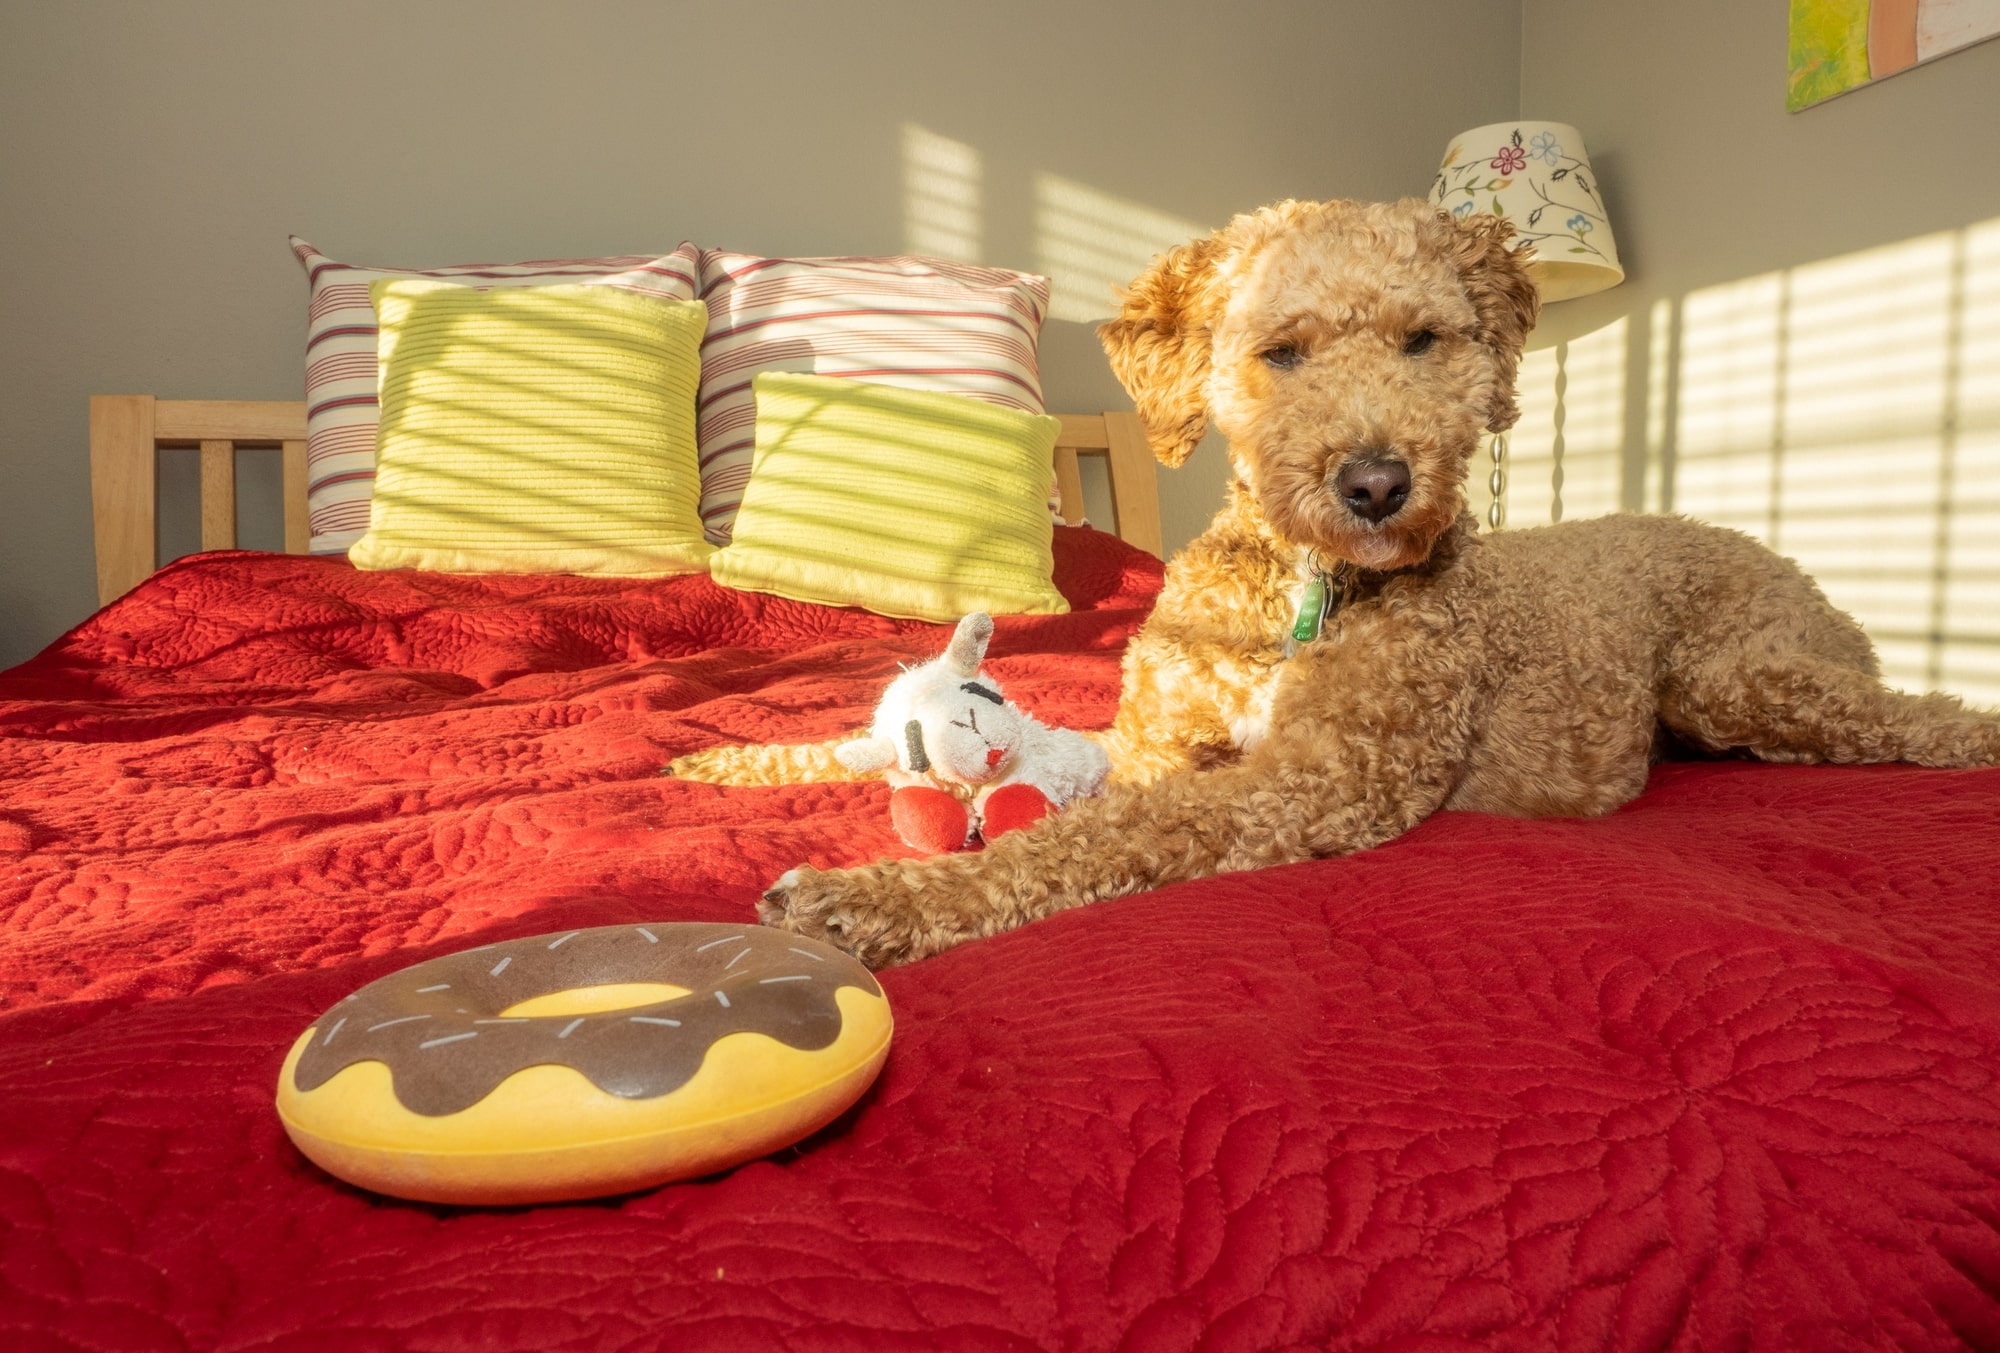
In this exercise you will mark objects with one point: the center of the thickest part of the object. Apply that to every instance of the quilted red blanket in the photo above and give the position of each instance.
(1719, 1071)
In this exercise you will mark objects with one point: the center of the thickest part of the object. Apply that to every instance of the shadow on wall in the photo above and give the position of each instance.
(1846, 413)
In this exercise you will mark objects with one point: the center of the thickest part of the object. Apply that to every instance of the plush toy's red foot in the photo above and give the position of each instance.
(929, 819)
(1012, 807)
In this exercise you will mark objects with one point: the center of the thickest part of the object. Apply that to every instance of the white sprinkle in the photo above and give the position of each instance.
(738, 959)
(651, 938)
(387, 1022)
(334, 1030)
(724, 999)
(557, 944)
(726, 939)
(795, 977)
(648, 1019)
(570, 1027)
(449, 1038)
(510, 1019)
(501, 966)
(441, 986)
(817, 958)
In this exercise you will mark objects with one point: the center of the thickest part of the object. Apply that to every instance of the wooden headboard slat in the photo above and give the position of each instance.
(218, 494)
(1069, 484)
(1085, 431)
(127, 433)
(298, 525)
(246, 422)
(1135, 486)
(122, 491)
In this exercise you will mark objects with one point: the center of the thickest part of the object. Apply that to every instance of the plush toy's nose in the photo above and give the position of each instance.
(995, 755)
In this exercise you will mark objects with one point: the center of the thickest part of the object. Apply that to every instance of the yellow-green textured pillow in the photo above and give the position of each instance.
(535, 430)
(907, 502)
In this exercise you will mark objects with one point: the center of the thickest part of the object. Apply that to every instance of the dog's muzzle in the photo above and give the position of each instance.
(1374, 486)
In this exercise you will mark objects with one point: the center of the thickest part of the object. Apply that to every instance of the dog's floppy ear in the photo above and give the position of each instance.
(1504, 295)
(1159, 346)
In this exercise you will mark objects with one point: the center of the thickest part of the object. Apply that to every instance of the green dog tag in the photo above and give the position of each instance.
(1312, 611)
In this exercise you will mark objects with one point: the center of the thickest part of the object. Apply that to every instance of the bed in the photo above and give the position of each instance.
(1719, 1071)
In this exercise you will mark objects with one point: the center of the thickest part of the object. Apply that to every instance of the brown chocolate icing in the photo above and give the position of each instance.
(437, 1025)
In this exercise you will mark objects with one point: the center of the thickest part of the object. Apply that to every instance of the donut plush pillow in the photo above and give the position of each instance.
(584, 1063)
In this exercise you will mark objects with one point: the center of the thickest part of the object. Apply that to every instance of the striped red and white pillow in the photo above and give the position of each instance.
(341, 390)
(918, 323)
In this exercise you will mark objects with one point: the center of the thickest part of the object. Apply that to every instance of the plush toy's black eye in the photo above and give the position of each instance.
(1283, 358)
(1419, 343)
(974, 688)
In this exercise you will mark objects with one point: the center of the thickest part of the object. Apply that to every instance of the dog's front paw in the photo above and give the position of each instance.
(863, 911)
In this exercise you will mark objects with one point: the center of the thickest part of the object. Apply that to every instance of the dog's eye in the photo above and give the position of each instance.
(1419, 343)
(1283, 358)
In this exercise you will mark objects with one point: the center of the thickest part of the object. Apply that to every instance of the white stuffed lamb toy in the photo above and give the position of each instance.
(962, 758)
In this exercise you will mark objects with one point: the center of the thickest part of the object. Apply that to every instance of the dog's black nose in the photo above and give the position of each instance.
(1374, 487)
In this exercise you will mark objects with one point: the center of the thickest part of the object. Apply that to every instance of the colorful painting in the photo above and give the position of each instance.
(1838, 45)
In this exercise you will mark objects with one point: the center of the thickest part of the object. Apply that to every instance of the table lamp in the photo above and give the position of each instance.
(1536, 175)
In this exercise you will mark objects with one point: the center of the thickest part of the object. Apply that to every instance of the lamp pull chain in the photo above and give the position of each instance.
(1496, 515)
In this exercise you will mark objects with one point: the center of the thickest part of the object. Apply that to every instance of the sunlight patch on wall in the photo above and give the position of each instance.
(1531, 443)
(1969, 616)
(1090, 244)
(1847, 413)
(1729, 405)
(1565, 456)
(1657, 493)
(1593, 423)
(942, 214)
(1859, 476)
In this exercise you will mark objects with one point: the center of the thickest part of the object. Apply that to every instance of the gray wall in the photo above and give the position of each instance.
(153, 157)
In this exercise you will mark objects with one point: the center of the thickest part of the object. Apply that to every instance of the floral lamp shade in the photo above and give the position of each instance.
(1537, 176)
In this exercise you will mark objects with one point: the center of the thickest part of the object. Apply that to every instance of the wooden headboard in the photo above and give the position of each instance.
(127, 433)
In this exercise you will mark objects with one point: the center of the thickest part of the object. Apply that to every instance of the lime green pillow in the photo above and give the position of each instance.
(535, 430)
(907, 502)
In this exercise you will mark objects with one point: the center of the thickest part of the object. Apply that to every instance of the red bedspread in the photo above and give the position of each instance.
(1722, 1070)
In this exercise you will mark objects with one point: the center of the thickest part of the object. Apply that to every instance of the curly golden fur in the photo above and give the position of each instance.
(1353, 354)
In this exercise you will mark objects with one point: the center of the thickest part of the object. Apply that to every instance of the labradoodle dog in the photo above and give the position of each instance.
(1342, 653)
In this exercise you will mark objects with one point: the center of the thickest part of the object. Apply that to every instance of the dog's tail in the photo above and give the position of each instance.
(756, 765)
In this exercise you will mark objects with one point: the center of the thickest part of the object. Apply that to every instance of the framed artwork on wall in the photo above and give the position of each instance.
(1838, 45)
